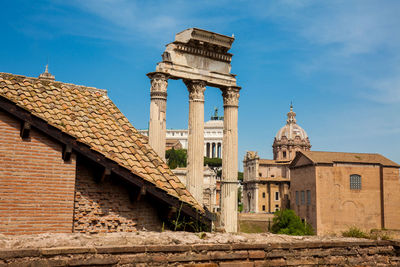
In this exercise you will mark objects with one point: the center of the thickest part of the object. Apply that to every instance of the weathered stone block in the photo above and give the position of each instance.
(236, 264)
(256, 254)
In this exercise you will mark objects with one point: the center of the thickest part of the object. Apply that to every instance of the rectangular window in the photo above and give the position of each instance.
(263, 194)
(263, 207)
(355, 182)
(308, 197)
(302, 198)
(297, 198)
(276, 195)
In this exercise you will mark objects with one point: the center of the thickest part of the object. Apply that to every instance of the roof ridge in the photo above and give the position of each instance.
(90, 88)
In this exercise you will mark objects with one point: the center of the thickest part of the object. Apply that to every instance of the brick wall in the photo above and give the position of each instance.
(109, 206)
(36, 185)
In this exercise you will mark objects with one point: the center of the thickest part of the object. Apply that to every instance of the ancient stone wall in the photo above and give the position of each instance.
(110, 205)
(360, 253)
(36, 184)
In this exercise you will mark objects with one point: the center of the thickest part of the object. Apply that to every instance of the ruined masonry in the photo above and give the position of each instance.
(200, 58)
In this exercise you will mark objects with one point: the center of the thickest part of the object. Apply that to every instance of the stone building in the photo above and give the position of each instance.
(70, 161)
(334, 191)
(213, 136)
(265, 181)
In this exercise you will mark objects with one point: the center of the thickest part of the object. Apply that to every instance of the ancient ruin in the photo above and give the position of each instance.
(200, 58)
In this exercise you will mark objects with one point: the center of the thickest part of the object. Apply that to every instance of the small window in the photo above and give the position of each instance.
(284, 154)
(302, 198)
(263, 194)
(272, 175)
(308, 197)
(276, 207)
(260, 174)
(355, 182)
(297, 198)
(263, 207)
(276, 195)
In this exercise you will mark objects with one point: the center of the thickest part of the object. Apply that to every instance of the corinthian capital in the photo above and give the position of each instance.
(196, 89)
(231, 96)
(159, 84)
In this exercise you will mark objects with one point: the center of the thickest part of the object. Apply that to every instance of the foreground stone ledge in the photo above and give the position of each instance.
(368, 252)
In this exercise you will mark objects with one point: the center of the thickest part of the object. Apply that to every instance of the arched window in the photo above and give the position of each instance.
(355, 182)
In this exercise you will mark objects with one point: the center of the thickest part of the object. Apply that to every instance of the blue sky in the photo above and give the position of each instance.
(338, 61)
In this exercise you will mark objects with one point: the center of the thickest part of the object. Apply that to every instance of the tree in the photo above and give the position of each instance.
(288, 223)
(176, 158)
(240, 176)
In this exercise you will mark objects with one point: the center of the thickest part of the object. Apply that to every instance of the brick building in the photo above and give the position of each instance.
(334, 191)
(70, 161)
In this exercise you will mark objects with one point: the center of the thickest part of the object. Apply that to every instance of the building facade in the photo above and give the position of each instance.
(213, 136)
(334, 191)
(265, 181)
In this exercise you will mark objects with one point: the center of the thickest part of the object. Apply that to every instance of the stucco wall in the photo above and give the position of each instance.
(392, 197)
(340, 207)
(303, 179)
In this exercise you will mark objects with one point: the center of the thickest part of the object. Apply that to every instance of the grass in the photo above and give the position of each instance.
(373, 234)
(253, 227)
(355, 232)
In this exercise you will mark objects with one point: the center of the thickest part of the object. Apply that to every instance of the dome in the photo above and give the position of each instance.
(291, 129)
(290, 139)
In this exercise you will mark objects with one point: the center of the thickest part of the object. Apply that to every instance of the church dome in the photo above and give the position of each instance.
(291, 129)
(290, 139)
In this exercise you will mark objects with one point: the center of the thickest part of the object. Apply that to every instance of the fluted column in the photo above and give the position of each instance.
(195, 153)
(229, 184)
(158, 108)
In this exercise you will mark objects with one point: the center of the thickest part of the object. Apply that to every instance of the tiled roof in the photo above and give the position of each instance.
(331, 157)
(87, 114)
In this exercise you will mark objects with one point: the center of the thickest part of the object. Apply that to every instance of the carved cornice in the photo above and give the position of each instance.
(159, 84)
(196, 89)
(230, 96)
(210, 52)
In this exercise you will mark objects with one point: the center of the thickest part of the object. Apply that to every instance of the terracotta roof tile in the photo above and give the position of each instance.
(88, 115)
(331, 157)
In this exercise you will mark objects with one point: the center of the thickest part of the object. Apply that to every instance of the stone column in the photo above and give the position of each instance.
(229, 216)
(195, 153)
(158, 108)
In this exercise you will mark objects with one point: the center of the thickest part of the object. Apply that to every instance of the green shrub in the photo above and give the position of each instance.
(355, 232)
(288, 223)
(176, 158)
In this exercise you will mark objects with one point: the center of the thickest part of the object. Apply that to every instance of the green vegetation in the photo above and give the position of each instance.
(240, 176)
(176, 158)
(213, 162)
(376, 234)
(288, 223)
(355, 232)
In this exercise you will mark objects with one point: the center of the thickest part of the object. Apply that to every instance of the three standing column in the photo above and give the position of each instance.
(195, 154)
(229, 183)
(158, 108)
